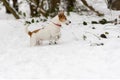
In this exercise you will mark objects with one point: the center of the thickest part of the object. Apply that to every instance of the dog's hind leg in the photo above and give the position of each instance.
(39, 42)
(33, 41)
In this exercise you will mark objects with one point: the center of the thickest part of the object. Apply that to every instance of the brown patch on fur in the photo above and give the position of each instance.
(62, 17)
(35, 31)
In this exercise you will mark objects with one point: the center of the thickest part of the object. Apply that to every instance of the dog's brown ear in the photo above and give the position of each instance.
(61, 14)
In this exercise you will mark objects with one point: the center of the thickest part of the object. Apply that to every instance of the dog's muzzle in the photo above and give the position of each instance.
(68, 22)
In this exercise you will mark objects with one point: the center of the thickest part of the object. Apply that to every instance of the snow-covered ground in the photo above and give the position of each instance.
(71, 58)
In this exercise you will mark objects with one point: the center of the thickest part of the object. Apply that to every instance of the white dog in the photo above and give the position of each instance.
(51, 32)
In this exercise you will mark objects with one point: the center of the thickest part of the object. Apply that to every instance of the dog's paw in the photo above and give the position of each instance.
(53, 43)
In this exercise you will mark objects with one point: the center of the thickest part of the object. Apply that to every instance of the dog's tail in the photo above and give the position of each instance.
(27, 31)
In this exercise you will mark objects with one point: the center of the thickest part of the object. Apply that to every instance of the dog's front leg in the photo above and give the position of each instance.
(54, 40)
(57, 38)
(51, 41)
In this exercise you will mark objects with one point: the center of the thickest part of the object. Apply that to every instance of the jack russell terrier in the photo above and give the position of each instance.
(51, 32)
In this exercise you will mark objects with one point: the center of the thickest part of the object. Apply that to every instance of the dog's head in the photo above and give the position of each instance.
(62, 18)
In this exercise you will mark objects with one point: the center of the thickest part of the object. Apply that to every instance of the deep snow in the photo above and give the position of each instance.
(71, 58)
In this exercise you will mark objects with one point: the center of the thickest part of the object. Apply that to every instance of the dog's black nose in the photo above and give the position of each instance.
(69, 21)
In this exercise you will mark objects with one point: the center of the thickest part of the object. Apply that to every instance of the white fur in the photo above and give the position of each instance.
(51, 32)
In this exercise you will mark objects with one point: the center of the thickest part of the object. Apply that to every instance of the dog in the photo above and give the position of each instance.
(51, 32)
